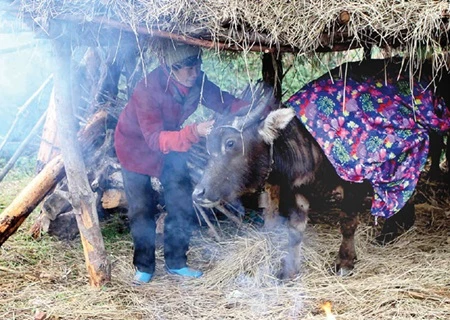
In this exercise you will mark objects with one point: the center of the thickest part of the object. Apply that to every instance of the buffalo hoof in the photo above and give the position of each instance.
(401, 221)
(386, 238)
(341, 271)
(283, 275)
(288, 270)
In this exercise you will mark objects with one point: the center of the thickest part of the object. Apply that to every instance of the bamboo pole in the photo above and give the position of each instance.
(82, 197)
(22, 146)
(17, 48)
(23, 108)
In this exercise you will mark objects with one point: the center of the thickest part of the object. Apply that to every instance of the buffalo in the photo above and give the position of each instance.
(272, 144)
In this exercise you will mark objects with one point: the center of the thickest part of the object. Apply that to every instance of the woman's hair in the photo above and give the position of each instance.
(188, 62)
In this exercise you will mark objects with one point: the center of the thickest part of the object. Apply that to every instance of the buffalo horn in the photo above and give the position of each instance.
(261, 98)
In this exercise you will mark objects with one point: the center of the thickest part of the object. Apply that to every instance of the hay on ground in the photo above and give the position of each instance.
(409, 279)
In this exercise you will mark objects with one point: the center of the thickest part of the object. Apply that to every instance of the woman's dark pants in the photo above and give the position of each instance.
(179, 222)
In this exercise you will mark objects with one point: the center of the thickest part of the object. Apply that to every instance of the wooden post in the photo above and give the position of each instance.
(83, 200)
(272, 72)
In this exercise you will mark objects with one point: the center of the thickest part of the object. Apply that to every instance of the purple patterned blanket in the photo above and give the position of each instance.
(376, 129)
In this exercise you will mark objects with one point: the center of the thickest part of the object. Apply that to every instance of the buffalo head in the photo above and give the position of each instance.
(241, 151)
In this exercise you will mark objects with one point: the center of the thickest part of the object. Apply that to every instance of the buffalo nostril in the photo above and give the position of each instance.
(198, 193)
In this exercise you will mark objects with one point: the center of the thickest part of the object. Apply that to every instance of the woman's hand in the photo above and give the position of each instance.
(204, 128)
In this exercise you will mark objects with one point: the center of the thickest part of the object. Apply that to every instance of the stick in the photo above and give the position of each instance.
(229, 215)
(18, 48)
(22, 146)
(208, 222)
(25, 107)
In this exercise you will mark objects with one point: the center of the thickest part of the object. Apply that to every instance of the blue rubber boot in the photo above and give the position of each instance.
(185, 272)
(142, 277)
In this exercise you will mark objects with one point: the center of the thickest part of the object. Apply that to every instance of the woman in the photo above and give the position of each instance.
(151, 141)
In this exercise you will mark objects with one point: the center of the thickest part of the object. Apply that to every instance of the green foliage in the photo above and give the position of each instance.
(232, 71)
(24, 168)
(115, 229)
(303, 68)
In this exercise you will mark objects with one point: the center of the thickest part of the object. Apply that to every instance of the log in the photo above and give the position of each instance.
(21, 207)
(56, 203)
(83, 200)
(114, 198)
(48, 148)
(272, 72)
(90, 134)
(27, 200)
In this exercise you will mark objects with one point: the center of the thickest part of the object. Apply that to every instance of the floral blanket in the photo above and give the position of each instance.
(375, 129)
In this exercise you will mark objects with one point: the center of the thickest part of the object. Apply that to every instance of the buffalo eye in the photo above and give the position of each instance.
(229, 144)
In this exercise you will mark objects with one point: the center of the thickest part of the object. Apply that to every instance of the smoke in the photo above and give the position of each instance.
(24, 66)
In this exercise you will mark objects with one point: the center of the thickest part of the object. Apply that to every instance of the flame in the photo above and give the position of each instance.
(326, 306)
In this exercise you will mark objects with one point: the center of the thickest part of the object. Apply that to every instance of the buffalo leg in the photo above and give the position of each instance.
(404, 219)
(436, 147)
(271, 206)
(296, 228)
(347, 253)
(447, 157)
(352, 204)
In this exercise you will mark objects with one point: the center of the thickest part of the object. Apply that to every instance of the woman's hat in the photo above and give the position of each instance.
(176, 53)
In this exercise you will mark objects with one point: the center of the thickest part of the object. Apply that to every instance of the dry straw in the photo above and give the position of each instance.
(408, 279)
(304, 25)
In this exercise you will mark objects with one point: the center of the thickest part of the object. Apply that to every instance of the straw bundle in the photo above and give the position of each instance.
(304, 25)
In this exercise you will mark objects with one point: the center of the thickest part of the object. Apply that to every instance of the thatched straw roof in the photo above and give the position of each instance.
(275, 24)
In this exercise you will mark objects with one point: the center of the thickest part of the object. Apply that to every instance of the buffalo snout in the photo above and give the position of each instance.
(198, 194)
(199, 197)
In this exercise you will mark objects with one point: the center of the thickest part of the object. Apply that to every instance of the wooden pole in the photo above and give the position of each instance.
(272, 72)
(23, 108)
(21, 207)
(22, 146)
(27, 200)
(18, 48)
(83, 200)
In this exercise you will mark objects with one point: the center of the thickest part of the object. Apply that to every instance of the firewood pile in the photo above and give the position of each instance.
(97, 138)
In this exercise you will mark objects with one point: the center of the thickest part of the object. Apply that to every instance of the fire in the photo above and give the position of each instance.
(326, 306)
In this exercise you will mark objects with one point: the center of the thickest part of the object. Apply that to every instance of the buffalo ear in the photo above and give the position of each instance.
(275, 121)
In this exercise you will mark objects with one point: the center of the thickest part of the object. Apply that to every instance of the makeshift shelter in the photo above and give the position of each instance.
(419, 29)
